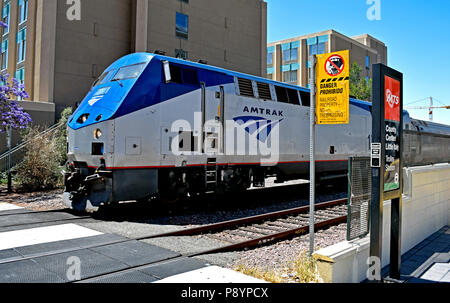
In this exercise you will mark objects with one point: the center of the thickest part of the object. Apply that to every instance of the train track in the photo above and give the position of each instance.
(254, 231)
(265, 228)
(274, 226)
(332, 211)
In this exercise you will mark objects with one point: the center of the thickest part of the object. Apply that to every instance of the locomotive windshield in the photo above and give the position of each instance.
(129, 72)
(102, 79)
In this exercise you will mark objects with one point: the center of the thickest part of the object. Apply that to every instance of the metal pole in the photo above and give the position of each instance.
(9, 144)
(431, 109)
(312, 163)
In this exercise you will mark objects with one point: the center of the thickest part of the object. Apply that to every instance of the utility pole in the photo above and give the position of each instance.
(431, 109)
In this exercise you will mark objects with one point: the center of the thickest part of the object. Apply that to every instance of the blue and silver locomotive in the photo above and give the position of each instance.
(153, 125)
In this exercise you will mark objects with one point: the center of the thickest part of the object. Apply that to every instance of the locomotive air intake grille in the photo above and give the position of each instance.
(246, 87)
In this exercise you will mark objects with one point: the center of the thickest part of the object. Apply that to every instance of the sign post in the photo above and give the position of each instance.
(312, 161)
(330, 103)
(9, 145)
(387, 165)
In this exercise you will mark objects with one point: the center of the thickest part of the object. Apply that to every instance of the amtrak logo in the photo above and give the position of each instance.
(262, 126)
(94, 100)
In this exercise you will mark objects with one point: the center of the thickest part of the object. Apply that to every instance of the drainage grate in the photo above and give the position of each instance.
(360, 189)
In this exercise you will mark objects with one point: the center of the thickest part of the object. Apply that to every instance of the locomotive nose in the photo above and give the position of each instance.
(91, 145)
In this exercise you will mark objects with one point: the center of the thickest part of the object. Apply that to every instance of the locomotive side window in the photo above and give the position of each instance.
(293, 96)
(306, 98)
(190, 77)
(129, 72)
(175, 73)
(282, 94)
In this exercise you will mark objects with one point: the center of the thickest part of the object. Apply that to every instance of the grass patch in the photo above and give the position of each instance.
(269, 276)
(301, 270)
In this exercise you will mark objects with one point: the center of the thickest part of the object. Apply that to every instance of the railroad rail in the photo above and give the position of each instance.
(247, 220)
(268, 227)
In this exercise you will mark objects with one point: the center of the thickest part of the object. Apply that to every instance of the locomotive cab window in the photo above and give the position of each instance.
(129, 72)
(177, 74)
(102, 79)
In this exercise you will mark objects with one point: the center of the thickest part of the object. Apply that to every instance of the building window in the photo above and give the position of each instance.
(270, 52)
(185, 1)
(21, 45)
(290, 51)
(294, 54)
(270, 59)
(317, 49)
(287, 55)
(23, 10)
(367, 62)
(5, 17)
(182, 25)
(4, 55)
(270, 71)
(180, 53)
(290, 76)
(20, 76)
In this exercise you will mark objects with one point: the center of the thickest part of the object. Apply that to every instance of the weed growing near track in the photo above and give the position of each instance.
(301, 270)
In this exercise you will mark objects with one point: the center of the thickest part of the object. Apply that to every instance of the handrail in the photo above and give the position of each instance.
(21, 146)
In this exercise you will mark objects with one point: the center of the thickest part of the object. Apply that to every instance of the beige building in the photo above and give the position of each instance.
(58, 57)
(288, 60)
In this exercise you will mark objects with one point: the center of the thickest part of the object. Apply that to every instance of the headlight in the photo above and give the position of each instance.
(97, 133)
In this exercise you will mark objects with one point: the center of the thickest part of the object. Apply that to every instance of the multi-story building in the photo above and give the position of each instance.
(288, 60)
(58, 55)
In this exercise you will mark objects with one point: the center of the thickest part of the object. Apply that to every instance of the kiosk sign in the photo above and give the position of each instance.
(387, 163)
(392, 129)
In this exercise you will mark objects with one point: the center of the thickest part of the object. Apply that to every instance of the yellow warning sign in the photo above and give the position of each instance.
(333, 88)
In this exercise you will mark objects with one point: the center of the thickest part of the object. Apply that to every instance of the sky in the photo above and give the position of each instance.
(416, 32)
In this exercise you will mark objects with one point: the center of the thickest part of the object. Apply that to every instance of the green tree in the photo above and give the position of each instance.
(359, 87)
(61, 136)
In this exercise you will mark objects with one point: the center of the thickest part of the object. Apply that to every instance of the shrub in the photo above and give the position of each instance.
(267, 275)
(61, 136)
(40, 169)
(301, 270)
(305, 269)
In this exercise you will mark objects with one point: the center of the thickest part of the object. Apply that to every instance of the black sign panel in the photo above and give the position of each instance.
(387, 132)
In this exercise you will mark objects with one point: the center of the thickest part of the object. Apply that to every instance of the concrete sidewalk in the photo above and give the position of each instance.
(427, 262)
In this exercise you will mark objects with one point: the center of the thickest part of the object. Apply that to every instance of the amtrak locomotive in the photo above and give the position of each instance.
(152, 125)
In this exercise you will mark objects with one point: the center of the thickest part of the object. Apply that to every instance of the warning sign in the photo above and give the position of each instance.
(333, 91)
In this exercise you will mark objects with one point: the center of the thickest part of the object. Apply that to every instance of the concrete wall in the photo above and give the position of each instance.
(426, 209)
(84, 49)
(230, 34)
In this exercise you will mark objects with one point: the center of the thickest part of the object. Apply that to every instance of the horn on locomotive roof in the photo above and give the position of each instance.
(202, 61)
(159, 52)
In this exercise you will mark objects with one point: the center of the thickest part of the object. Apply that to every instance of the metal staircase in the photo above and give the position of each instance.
(17, 153)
